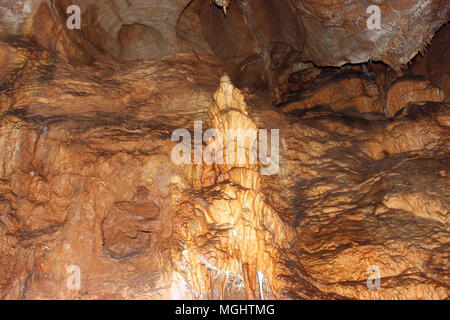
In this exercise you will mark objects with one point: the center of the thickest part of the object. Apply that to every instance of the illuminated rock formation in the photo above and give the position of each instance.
(230, 233)
(93, 205)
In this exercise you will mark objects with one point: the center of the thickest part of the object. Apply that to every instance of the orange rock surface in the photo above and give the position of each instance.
(89, 188)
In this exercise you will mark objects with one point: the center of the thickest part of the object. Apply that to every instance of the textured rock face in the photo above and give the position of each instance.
(4, 61)
(89, 189)
(342, 36)
(327, 34)
(87, 180)
(433, 65)
(257, 45)
(369, 193)
(13, 15)
(65, 186)
(260, 43)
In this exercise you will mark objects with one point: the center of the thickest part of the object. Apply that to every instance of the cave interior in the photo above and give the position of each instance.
(352, 203)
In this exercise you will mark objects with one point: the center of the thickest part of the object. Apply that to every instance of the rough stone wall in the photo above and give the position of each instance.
(87, 178)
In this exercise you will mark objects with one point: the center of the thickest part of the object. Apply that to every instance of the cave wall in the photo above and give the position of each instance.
(327, 34)
(87, 180)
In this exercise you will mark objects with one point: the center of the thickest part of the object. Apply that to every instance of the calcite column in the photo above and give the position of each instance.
(228, 231)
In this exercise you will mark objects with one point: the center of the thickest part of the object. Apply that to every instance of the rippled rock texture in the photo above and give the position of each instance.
(89, 188)
(87, 180)
(257, 41)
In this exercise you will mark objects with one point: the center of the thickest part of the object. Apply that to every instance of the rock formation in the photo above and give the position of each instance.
(93, 205)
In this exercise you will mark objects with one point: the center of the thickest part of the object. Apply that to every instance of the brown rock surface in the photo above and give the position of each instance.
(434, 65)
(252, 31)
(405, 91)
(342, 36)
(339, 92)
(4, 61)
(88, 181)
(371, 193)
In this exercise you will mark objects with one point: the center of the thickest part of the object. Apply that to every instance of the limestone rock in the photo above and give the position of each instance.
(90, 191)
(405, 91)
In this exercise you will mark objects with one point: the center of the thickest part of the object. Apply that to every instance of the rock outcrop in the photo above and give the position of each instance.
(348, 197)
(253, 38)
